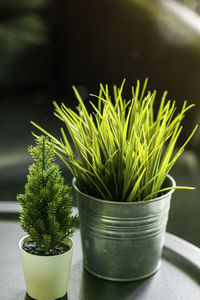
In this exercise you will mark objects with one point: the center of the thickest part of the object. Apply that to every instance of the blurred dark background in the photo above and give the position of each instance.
(48, 45)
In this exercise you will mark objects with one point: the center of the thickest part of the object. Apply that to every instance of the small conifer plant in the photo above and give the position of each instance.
(47, 202)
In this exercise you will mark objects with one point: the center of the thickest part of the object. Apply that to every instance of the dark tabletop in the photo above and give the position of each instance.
(178, 277)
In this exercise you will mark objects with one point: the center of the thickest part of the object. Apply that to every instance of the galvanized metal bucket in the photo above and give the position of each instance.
(123, 241)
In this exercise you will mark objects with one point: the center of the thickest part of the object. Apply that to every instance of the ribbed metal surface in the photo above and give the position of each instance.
(122, 241)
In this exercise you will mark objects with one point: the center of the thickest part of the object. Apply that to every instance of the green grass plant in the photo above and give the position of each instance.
(123, 149)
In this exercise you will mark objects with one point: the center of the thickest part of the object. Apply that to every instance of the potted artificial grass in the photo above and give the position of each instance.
(46, 251)
(121, 175)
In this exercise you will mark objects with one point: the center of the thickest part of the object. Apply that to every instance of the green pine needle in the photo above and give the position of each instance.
(47, 202)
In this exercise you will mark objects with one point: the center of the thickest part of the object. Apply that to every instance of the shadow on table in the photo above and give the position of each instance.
(98, 289)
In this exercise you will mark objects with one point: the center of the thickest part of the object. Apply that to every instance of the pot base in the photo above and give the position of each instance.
(122, 279)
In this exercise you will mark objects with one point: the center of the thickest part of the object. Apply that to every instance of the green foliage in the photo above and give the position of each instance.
(125, 151)
(46, 203)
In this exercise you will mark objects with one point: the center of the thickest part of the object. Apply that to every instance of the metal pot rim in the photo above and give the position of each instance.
(127, 203)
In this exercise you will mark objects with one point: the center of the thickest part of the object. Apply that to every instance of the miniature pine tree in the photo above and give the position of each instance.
(47, 202)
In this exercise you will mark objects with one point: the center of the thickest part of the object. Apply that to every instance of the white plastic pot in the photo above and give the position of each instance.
(46, 277)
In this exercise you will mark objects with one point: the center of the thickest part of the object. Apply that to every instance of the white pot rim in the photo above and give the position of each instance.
(45, 256)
